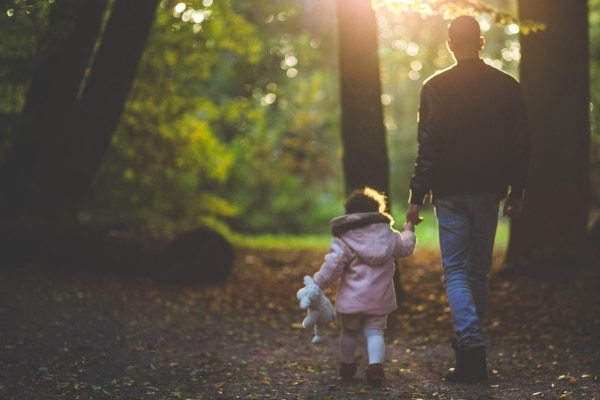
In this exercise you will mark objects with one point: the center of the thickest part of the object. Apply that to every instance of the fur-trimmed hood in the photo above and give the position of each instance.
(367, 234)
(345, 223)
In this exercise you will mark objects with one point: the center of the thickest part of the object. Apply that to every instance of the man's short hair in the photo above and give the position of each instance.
(464, 32)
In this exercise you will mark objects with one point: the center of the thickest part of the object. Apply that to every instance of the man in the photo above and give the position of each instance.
(473, 152)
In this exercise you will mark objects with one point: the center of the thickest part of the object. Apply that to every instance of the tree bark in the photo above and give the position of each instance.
(365, 159)
(551, 232)
(64, 135)
(63, 56)
(103, 99)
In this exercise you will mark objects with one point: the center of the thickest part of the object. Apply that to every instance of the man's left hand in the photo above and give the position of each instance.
(512, 207)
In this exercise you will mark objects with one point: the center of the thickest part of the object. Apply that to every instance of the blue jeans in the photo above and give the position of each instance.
(467, 229)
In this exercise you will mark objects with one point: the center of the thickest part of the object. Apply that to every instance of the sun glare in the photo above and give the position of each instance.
(404, 5)
(409, 3)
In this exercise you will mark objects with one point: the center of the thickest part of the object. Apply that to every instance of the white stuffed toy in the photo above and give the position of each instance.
(319, 311)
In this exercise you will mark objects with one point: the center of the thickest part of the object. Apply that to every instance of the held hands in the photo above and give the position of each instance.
(412, 215)
(512, 207)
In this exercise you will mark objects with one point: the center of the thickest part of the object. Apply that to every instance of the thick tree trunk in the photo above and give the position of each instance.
(63, 56)
(365, 160)
(103, 99)
(64, 137)
(551, 232)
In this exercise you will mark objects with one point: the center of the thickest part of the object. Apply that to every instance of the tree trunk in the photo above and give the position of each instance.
(63, 138)
(63, 56)
(551, 232)
(103, 99)
(365, 159)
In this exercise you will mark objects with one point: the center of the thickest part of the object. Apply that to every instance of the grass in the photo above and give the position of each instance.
(282, 241)
(426, 234)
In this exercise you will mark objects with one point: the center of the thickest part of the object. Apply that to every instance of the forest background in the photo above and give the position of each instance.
(233, 120)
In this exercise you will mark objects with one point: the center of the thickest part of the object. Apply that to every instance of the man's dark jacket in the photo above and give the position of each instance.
(473, 135)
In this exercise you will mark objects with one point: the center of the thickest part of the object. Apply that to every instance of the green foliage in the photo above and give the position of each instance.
(426, 232)
(288, 168)
(161, 176)
(233, 120)
(452, 9)
(221, 110)
(165, 159)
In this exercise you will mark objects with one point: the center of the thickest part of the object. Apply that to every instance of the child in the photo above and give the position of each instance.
(361, 256)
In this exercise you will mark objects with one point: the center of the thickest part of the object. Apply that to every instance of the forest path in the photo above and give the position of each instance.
(90, 335)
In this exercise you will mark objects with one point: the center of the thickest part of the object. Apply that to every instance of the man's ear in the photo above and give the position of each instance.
(481, 42)
(449, 44)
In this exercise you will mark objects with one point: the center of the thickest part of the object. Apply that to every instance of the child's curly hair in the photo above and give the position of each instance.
(365, 200)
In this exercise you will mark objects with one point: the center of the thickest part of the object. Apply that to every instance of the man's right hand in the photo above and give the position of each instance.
(412, 214)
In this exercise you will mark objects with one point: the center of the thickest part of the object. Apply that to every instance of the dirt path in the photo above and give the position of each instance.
(76, 335)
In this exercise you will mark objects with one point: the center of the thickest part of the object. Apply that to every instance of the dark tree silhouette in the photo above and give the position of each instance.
(66, 127)
(69, 118)
(62, 57)
(103, 98)
(551, 232)
(365, 160)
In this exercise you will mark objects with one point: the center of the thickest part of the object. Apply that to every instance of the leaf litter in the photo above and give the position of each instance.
(92, 335)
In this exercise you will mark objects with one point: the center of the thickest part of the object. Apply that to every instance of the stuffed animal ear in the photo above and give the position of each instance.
(308, 280)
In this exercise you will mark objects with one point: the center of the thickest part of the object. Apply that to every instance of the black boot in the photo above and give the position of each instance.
(470, 365)
(375, 375)
(347, 371)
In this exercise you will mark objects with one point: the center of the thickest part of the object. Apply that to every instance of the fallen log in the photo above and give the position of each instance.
(198, 255)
